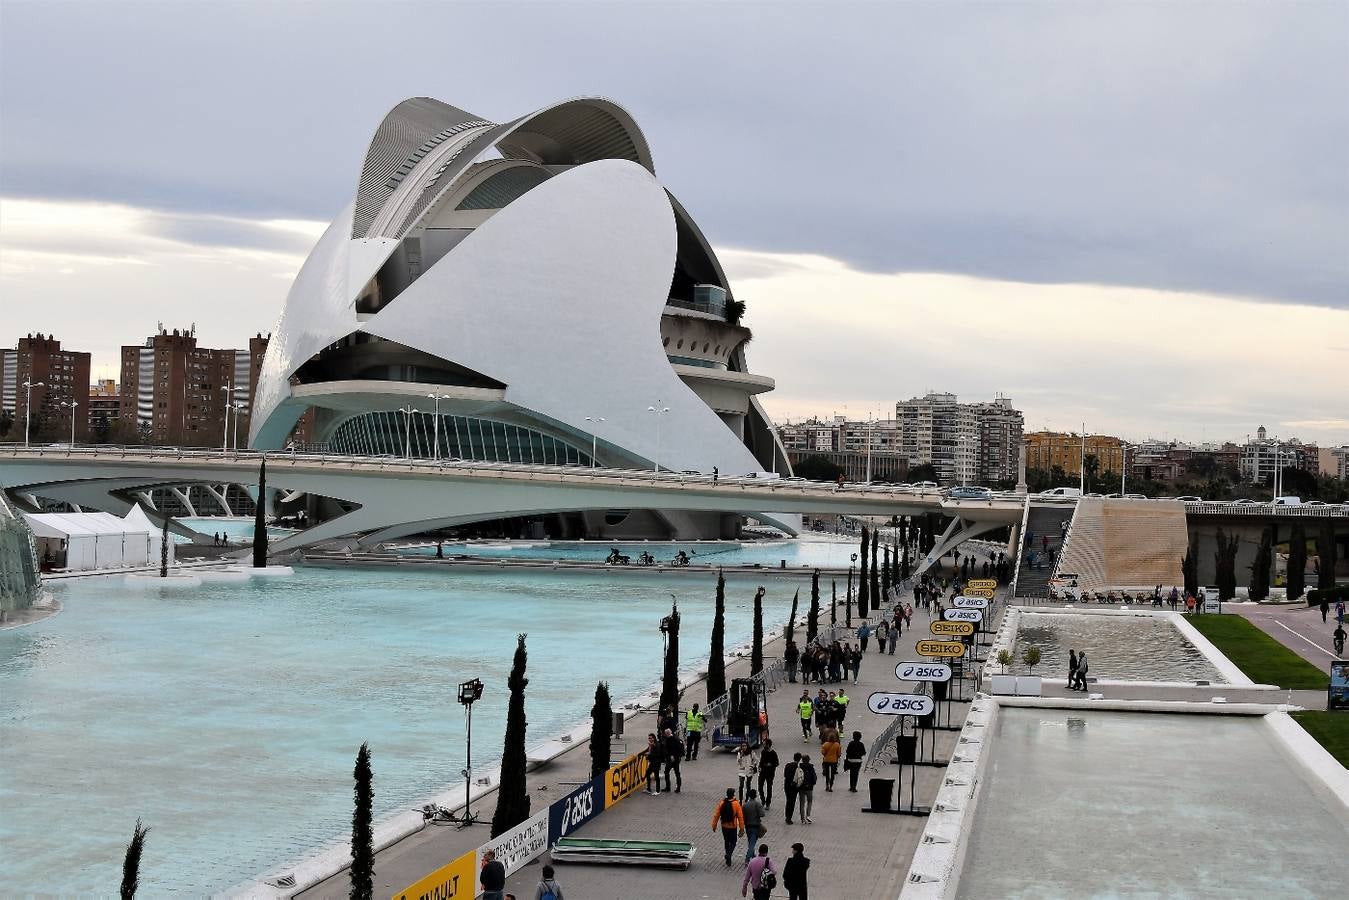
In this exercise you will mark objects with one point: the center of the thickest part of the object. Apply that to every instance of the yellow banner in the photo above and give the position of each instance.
(952, 628)
(940, 648)
(456, 881)
(625, 778)
(986, 593)
(982, 583)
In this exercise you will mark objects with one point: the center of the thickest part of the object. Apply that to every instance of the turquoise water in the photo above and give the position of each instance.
(769, 554)
(228, 717)
(237, 529)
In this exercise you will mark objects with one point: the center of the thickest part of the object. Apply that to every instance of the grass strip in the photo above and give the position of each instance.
(1331, 730)
(1263, 659)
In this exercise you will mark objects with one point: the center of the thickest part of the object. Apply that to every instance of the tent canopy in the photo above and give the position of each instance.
(97, 540)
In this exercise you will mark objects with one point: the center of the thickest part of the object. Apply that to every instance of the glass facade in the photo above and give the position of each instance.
(459, 437)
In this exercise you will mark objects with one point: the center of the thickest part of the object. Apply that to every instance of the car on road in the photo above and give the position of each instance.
(969, 492)
(1246, 501)
(1190, 499)
(1287, 501)
(1316, 503)
(1061, 492)
(925, 485)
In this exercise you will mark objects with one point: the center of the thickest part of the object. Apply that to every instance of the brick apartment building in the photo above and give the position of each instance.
(59, 389)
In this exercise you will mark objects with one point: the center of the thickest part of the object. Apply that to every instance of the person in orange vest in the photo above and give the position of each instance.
(730, 818)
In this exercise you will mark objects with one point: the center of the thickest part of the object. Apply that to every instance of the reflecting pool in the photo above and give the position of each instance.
(1095, 804)
(808, 552)
(1119, 647)
(228, 716)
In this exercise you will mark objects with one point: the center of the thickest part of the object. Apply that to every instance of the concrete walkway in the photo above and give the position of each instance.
(853, 854)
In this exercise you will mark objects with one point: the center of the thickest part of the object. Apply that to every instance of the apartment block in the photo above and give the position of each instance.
(54, 381)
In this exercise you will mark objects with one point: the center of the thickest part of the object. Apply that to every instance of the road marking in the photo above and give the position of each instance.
(1299, 635)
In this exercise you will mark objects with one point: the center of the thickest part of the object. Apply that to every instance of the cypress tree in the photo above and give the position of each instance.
(362, 833)
(1189, 566)
(833, 601)
(813, 618)
(131, 862)
(1225, 558)
(513, 795)
(669, 685)
(716, 660)
(791, 619)
(1325, 553)
(260, 519)
(863, 591)
(164, 549)
(1297, 561)
(756, 648)
(601, 730)
(906, 566)
(885, 572)
(876, 597)
(1260, 568)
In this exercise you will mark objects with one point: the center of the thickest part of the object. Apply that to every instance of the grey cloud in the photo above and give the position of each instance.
(1196, 147)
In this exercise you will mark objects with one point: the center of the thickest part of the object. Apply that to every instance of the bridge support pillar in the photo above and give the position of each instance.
(955, 534)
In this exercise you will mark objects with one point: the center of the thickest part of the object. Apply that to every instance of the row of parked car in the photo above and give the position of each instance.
(1072, 493)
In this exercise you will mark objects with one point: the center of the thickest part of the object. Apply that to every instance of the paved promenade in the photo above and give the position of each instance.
(1296, 626)
(853, 854)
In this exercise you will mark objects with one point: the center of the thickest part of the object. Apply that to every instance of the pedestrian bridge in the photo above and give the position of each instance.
(394, 497)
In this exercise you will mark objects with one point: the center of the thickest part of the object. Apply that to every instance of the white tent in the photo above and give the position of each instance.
(82, 542)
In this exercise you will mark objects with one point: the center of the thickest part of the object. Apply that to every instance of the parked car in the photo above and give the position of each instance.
(1135, 497)
(925, 485)
(1190, 499)
(1316, 503)
(1061, 492)
(1287, 501)
(969, 492)
(1246, 501)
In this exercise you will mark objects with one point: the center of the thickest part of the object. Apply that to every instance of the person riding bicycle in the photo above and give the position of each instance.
(1339, 639)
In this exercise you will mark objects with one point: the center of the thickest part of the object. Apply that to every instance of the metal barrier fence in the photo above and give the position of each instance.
(886, 739)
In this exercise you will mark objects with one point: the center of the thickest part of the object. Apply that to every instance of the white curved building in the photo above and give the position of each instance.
(534, 284)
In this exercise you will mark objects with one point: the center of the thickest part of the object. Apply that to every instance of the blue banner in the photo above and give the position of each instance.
(575, 809)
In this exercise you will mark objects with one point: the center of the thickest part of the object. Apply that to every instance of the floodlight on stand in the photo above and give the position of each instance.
(470, 692)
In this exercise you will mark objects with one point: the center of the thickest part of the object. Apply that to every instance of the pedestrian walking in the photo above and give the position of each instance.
(548, 888)
(730, 818)
(674, 754)
(882, 635)
(841, 706)
(1072, 669)
(805, 787)
(790, 773)
(1082, 671)
(830, 751)
(806, 710)
(694, 723)
(864, 634)
(655, 755)
(760, 876)
(768, 769)
(791, 655)
(1325, 608)
(856, 662)
(753, 811)
(492, 876)
(794, 873)
(852, 759)
(747, 767)
(894, 639)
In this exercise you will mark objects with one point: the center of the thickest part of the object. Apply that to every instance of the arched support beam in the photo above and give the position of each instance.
(957, 533)
(184, 499)
(219, 496)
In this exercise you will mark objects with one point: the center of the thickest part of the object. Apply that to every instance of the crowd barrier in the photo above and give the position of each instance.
(458, 879)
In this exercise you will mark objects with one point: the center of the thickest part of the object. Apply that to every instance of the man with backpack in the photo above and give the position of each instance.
(730, 818)
(548, 888)
(789, 783)
(759, 876)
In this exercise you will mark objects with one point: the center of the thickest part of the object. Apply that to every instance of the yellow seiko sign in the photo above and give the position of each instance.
(953, 629)
(940, 648)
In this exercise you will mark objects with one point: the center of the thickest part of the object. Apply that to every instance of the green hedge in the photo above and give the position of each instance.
(1338, 592)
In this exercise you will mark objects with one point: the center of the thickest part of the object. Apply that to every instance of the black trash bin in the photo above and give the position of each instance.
(906, 748)
(939, 689)
(881, 791)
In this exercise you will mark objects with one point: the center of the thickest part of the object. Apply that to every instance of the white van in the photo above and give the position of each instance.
(1287, 501)
(1061, 492)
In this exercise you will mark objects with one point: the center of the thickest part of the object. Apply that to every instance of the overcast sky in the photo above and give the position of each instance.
(1133, 215)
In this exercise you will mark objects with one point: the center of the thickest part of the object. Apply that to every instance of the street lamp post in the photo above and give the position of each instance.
(28, 404)
(228, 389)
(407, 412)
(239, 406)
(72, 405)
(659, 411)
(851, 562)
(1124, 466)
(435, 440)
(594, 439)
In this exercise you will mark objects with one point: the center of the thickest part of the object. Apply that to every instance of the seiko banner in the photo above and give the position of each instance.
(624, 778)
(575, 809)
